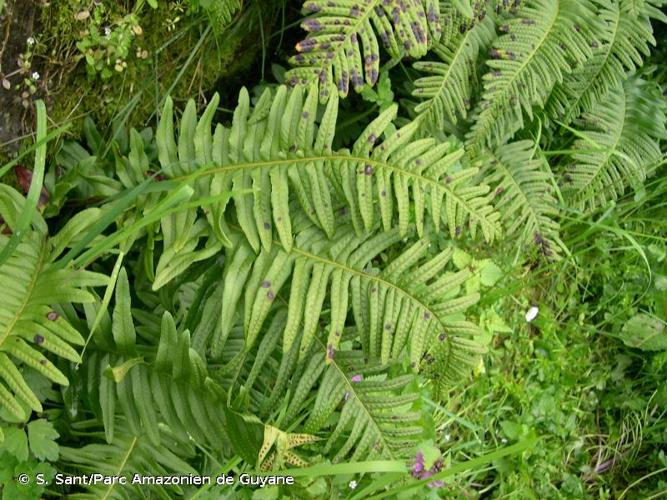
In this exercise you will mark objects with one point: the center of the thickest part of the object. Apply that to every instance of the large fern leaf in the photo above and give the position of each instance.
(276, 153)
(359, 409)
(445, 93)
(33, 287)
(342, 46)
(547, 40)
(524, 190)
(624, 37)
(401, 309)
(620, 145)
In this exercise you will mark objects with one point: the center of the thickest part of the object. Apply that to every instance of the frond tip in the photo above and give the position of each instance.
(523, 190)
(548, 40)
(342, 46)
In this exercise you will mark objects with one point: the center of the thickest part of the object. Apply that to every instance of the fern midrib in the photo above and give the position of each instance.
(591, 81)
(121, 466)
(345, 158)
(29, 290)
(351, 270)
(496, 103)
(361, 274)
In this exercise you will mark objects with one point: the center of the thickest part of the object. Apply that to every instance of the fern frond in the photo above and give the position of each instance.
(342, 46)
(400, 309)
(152, 387)
(547, 40)
(626, 128)
(624, 38)
(374, 417)
(30, 324)
(276, 153)
(446, 92)
(220, 13)
(524, 193)
(128, 456)
(360, 410)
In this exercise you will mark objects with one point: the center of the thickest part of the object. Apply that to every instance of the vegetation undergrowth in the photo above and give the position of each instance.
(422, 254)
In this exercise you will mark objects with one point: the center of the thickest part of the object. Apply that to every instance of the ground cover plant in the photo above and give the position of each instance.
(400, 248)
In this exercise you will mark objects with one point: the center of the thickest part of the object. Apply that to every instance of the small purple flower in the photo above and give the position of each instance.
(419, 472)
(418, 467)
(357, 378)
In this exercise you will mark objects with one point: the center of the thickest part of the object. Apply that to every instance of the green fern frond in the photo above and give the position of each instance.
(168, 385)
(547, 40)
(277, 152)
(221, 13)
(342, 46)
(359, 410)
(525, 198)
(30, 324)
(374, 417)
(446, 92)
(128, 456)
(401, 309)
(625, 128)
(624, 38)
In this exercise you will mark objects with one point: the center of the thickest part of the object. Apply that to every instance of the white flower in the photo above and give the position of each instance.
(35, 75)
(447, 438)
(107, 31)
(30, 41)
(531, 314)
(353, 484)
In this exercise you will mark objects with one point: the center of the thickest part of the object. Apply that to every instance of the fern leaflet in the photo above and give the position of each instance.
(342, 46)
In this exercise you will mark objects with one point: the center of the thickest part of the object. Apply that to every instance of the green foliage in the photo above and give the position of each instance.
(448, 89)
(220, 12)
(626, 130)
(523, 188)
(624, 41)
(546, 40)
(108, 42)
(342, 47)
(431, 275)
(30, 324)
